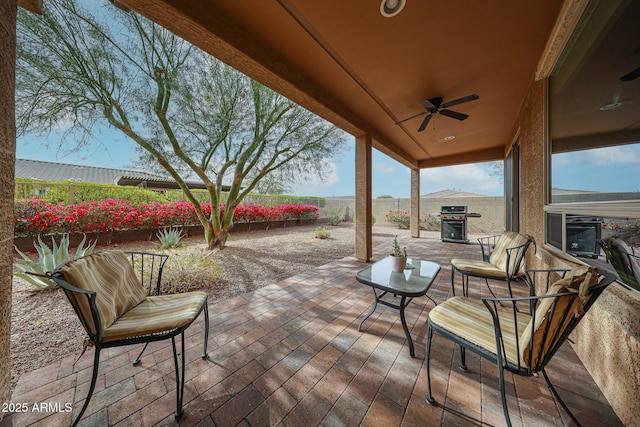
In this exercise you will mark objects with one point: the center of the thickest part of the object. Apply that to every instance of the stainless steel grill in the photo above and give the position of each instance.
(583, 234)
(453, 219)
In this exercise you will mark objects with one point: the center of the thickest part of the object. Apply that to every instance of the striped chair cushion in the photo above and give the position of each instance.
(157, 314)
(469, 319)
(472, 266)
(508, 240)
(110, 275)
(497, 265)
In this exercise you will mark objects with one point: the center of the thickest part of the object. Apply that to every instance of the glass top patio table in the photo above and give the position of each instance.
(413, 282)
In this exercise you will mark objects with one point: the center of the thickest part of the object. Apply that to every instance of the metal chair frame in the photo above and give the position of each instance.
(486, 244)
(75, 294)
(149, 266)
(557, 337)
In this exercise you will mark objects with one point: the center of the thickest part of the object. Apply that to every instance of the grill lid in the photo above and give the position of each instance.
(457, 209)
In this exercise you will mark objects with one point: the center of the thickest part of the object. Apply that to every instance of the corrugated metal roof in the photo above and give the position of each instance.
(51, 171)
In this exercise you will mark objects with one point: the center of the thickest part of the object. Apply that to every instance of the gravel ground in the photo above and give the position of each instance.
(45, 329)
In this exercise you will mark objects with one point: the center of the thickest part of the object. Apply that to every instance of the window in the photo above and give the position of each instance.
(595, 134)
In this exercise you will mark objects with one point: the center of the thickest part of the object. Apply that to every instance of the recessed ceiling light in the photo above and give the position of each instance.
(389, 8)
(611, 106)
(449, 138)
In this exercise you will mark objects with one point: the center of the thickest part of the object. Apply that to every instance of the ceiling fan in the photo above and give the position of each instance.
(633, 74)
(435, 106)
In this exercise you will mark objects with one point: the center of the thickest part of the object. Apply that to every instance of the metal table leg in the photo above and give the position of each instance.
(404, 326)
(373, 308)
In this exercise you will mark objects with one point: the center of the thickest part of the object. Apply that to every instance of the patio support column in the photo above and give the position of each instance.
(8, 10)
(364, 249)
(414, 222)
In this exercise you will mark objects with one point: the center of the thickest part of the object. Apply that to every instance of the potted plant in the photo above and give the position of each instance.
(398, 256)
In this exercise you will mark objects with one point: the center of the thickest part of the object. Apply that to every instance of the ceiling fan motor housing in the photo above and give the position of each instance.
(390, 8)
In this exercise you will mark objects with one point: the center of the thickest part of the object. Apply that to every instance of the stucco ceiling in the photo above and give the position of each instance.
(364, 72)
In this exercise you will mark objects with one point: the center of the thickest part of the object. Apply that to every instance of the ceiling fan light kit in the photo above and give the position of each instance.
(435, 106)
(390, 8)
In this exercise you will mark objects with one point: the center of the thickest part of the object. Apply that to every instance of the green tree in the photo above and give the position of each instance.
(188, 113)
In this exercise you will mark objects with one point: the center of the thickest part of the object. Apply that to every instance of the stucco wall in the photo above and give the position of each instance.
(7, 165)
(608, 338)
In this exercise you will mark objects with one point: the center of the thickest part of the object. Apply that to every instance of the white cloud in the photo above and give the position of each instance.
(312, 184)
(384, 169)
(561, 160)
(599, 156)
(612, 155)
(471, 178)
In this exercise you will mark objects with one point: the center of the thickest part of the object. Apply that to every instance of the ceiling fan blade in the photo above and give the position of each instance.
(425, 122)
(412, 117)
(460, 101)
(454, 114)
(631, 76)
(431, 104)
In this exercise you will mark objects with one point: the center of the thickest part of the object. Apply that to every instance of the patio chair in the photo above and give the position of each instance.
(502, 259)
(115, 310)
(623, 259)
(524, 340)
(149, 268)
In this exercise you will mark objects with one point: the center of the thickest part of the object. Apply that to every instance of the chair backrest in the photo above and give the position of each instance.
(149, 268)
(558, 312)
(510, 263)
(111, 277)
(622, 258)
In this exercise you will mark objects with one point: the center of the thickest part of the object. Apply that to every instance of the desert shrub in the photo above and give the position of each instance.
(335, 214)
(400, 219)
(193, 269)
(430, 223)
(321, 233)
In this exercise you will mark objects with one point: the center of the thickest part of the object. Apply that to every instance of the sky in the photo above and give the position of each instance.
(612, 169)
(109, 149)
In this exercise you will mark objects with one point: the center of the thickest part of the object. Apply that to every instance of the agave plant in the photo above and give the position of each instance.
(169, 237)
(48, 260)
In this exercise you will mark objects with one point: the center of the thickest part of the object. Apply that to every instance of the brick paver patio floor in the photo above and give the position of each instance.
(290, 354)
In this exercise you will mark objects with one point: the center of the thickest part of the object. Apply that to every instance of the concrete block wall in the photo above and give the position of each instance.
(491, 209)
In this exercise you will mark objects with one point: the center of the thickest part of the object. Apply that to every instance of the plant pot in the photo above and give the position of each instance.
(398, 263)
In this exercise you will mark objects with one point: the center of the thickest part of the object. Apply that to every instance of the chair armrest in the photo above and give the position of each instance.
(149, 268)
(84, 304)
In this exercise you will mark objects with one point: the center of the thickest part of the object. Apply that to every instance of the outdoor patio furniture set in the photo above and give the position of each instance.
(118, 301)
(518, 334)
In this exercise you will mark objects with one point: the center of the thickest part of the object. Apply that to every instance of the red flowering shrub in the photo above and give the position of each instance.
(399, 218)
(34, 216)
(291, 211)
